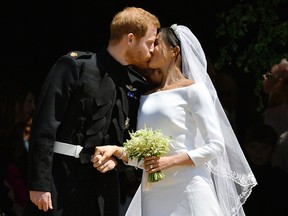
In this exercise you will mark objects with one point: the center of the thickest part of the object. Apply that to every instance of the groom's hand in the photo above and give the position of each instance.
(41, 199)
(102, 159)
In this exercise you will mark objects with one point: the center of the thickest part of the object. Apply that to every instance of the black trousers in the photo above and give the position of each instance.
(80, 190)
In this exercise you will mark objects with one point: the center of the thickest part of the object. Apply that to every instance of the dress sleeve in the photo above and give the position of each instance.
(52, 103)
(134, 162)
(209, 139)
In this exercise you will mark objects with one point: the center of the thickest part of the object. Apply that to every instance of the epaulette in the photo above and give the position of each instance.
(80, 54)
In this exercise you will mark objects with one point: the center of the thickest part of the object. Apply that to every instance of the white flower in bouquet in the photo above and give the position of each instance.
(147, 142)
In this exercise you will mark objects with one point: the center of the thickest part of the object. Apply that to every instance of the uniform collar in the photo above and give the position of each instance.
(120, 72)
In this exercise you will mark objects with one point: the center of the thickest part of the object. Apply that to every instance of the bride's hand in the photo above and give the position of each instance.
(102, 153)
(153, 164)
(106, 165)
(102, 159)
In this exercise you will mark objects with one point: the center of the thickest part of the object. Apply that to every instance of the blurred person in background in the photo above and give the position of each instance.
(275, 85)
(16, 110)
(270, 196)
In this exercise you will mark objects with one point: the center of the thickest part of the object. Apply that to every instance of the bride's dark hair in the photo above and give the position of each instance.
(169, 36)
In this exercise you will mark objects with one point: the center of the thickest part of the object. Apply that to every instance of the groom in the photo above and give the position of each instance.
(87, 100)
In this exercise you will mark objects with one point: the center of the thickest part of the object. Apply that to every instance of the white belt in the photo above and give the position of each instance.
(67, 149)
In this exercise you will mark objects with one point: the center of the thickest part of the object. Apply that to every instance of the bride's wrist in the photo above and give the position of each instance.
(119, 153)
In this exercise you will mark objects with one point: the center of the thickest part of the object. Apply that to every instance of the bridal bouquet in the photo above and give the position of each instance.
(144, 143)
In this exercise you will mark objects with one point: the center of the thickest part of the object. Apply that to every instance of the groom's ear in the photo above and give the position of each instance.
(129, 38)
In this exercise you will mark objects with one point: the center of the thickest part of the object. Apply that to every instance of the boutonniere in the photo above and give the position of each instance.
(131, 91)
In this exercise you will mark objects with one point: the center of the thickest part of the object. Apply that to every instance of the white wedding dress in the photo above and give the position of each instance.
(181, 113)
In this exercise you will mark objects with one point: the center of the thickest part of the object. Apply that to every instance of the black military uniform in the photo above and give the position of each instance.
(87, 99)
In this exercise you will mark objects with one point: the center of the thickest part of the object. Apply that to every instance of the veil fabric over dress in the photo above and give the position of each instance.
(227, 173)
